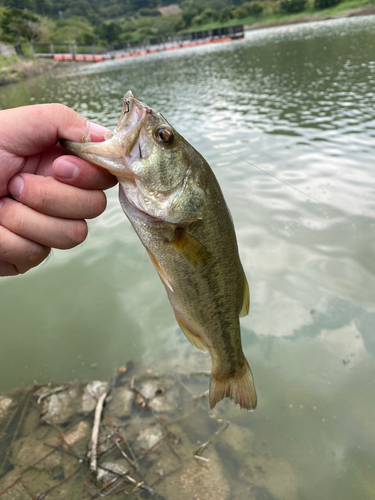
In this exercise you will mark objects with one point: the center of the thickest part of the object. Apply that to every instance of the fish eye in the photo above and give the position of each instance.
(164, 135)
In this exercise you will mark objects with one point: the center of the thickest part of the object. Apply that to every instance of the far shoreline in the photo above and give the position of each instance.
(15, 69)
(356, 12)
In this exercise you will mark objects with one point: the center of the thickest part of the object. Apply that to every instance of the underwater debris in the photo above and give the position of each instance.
(154, 437)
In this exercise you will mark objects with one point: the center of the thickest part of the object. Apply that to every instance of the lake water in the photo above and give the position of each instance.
(286, 119)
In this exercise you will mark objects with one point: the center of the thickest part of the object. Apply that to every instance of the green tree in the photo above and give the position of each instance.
(149, 12)
(19, 4)
(17, 24)
(75, 30)
(324, 4)
(110, 31)
(254, 9)
(225, 15)
(293, 6)
(43, 7)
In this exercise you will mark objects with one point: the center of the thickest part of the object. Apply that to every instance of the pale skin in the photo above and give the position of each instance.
(45, 194)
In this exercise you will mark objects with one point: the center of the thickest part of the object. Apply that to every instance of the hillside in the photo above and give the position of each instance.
(119, 22)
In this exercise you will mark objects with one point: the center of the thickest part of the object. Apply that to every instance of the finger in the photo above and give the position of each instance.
(51, 197)
(7, 269)
(42, 126)
(77, 172)
(40, 228)
(17, 254)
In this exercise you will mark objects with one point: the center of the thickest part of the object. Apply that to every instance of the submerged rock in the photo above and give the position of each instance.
(91, 394)
(5, 405)
(151, 433)
(120, 403)
(58, 408)
(11, 489)
(162, 395)
(150, 437)
(81, 431)
(105, 476)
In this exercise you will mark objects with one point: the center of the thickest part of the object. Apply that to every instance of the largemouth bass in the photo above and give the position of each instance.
(175, 205)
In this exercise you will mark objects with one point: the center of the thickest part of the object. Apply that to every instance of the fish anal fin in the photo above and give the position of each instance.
(246, 299)
(192, 337)
(159, 270)
(190, 248)
(238, 386)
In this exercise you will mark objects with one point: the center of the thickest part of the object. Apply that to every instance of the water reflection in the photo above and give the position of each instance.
(296, 102)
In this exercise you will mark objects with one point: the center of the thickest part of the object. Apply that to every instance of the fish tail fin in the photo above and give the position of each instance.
(238, 386)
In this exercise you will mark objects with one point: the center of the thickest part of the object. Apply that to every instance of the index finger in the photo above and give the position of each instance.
(29, 130)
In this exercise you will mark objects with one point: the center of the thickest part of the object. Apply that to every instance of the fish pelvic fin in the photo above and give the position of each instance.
(238, 386)
(246, 299)
(192, 337)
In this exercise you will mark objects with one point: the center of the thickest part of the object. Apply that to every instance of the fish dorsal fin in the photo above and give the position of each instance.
(159, 270)
(246, 298)
(192, 337)
(190, 248)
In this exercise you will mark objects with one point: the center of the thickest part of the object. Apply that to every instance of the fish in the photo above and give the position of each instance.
(174, 203)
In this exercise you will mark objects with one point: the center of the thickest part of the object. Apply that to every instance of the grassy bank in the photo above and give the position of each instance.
(15, 68)
(272, 17)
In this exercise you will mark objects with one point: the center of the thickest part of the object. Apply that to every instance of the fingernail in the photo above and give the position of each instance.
(65, 169)
(15, 186)
(97, 131)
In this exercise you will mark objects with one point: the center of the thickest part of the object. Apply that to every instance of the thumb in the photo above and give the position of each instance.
(29, 130)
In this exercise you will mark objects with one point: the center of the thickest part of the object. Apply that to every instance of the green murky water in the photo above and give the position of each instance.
(286, 118)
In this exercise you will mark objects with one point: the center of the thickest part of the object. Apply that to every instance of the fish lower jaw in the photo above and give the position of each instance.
(130, 202)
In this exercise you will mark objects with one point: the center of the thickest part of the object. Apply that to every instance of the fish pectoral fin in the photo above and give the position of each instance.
(190, 248)
(246, 299)
(159, 270)
(192, 337)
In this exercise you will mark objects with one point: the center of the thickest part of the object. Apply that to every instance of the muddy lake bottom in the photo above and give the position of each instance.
(156, 438)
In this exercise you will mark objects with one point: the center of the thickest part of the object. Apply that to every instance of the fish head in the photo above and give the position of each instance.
(159, 172)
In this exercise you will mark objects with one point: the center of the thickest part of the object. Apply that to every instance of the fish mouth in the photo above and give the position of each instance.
(131, 113)
(113, 154)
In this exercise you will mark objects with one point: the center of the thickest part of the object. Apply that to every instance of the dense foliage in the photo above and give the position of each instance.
(324, 4)
(117, 22)
(293, 6)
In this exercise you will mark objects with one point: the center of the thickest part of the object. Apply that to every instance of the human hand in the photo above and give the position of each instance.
(52, 192)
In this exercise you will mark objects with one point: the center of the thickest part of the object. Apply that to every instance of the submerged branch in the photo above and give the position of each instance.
(95, 431)
(200, 450)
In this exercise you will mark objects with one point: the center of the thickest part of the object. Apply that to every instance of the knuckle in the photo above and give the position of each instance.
(60, 109)
(7, 269)
(22, 269)
(35, 255)
(98, 204)
(15, 218)
(42, 199)
(3, 244)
